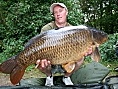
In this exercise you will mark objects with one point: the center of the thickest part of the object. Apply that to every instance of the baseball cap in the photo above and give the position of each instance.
(55, 4)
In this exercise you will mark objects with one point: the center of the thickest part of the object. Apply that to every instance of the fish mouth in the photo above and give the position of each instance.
(104, 39)
(100, 37)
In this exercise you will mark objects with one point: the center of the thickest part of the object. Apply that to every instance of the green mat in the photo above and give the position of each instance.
(93, 72)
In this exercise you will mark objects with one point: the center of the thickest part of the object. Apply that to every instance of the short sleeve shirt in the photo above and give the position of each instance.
(51, 25)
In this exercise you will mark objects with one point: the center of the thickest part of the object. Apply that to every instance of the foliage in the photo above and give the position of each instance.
(23, 19)
(107, 50)
(101, 14)
(10, 47)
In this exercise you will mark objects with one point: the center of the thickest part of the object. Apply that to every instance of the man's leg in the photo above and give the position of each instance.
(66, 78)
(45, 67)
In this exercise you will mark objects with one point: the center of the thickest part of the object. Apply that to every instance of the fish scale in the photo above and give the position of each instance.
(61, 47)
(57, 52)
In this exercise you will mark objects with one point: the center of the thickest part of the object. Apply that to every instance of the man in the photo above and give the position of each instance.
(60, 12)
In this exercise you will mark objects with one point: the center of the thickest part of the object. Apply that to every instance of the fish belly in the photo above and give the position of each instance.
(59, 48)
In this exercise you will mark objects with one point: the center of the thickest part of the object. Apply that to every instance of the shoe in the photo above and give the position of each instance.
(116, 69)
(49, 81)
(67, 81)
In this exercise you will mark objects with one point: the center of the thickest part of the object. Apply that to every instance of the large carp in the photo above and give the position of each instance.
(64, 46)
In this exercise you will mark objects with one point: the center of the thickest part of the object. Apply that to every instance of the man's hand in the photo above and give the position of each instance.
(89, 51)
(44, 63)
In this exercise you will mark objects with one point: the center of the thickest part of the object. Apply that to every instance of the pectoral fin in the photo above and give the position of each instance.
(69, 67)
(95, 55)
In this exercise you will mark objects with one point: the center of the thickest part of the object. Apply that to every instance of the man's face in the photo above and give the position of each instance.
(60, 14)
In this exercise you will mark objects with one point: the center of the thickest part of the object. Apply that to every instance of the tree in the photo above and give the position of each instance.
(101, 14)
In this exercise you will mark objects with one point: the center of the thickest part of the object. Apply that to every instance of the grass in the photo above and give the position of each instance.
(111, 66)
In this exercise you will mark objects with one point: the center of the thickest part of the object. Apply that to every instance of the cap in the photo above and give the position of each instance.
(55, 4)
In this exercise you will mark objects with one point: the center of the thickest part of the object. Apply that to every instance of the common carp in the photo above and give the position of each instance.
(64, 46)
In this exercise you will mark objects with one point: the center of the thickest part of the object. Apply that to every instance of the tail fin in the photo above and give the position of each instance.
(11, 67)
(7, 66)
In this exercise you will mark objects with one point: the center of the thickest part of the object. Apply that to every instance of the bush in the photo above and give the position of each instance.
(107, 50)
(24, 19)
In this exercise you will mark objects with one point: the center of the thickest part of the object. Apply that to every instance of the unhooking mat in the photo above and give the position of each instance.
(93, 72)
